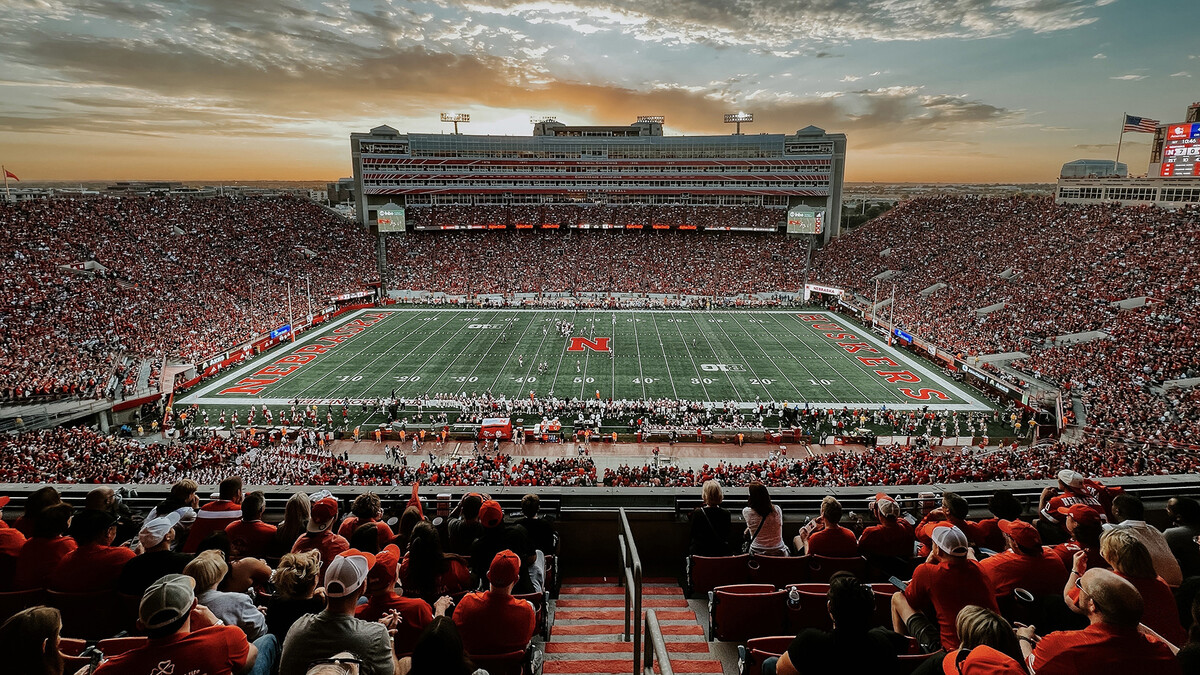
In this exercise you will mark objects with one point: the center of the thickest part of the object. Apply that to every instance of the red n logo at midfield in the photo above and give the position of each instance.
(597, 345)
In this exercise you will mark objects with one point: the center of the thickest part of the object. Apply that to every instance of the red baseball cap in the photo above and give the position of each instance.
(4, 501)
(322, 514)
(505, 569)
(982, 660)
(1081, 513)
(386, 562)
(1024, 535)
(490, 513)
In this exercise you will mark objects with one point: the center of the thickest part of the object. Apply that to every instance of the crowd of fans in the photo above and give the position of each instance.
(595, 215)
(176, 279)
(1056, 270)
(219, 590)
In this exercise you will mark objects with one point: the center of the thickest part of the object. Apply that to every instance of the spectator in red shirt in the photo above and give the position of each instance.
(953, 511)
(941, 587)
(1072, 489)
(825, 535)
(382, 597)
(45, 549)
(216, 515)
(1130, 560)
(11, 540)
(1004, 506)
(1023, 563)
(367, 509)
(892, 537)
(1084, 525)
(168, 612)
(320, 534)
(96, 564)
(250, 537)
(1111, 643)
(34, 504)
(494, 622)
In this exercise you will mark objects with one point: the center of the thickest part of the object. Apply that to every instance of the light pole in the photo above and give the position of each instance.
(738, 118)
(456, 118)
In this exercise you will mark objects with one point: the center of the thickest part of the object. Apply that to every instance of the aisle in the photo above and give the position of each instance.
(588, 620)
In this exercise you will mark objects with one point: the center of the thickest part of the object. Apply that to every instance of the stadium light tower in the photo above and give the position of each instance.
(738, 118)
(456, 118)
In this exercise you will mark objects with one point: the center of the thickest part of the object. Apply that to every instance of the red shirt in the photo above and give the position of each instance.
(249, 539)
(415, 615)
(91, 567)
(1066, 553)
(37, 560)
(1086, 495)
(942, 589)
(328, 543)
(350, 524)
(212, 517)
(216, 650)
(989, 534)
(833, 542)
(887, 539)
(1101, 648)
(1160, 612)
(931, 522)
(11, 540)
(491, 623)
(1041, 574)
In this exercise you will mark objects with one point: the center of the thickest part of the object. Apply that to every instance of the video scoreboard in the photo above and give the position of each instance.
(391, 218)
(805, 220)
(1181, 151)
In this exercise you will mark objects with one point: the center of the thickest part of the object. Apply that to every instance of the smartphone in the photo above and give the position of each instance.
(898, 582)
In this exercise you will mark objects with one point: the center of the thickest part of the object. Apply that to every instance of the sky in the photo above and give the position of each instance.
(926, 90)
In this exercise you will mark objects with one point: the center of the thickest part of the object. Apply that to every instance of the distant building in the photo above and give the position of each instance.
(1094, 168)
(342, 191)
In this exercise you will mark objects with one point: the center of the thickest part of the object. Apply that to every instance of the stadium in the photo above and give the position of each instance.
(536, 365)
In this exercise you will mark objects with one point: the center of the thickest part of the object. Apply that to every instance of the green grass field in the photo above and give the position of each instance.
(743, 356)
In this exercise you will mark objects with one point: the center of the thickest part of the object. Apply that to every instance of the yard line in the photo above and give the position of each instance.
(508, 358)
(613, 356)
(466, 322)
(538, 352)
(667, 363)
(695, 366)
(637, 354)
(736, 394)
(787, 351)
(488, 353)
(587, 354)
(351, 359)
(554, 380)
(866, 399)
(762, 351)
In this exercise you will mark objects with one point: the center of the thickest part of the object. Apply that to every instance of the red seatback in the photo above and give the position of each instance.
(705, 573)
(744, 611)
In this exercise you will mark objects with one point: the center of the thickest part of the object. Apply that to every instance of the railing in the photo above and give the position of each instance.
(631, 579)
(655, 646)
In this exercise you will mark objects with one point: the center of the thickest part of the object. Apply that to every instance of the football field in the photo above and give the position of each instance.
(818, 358)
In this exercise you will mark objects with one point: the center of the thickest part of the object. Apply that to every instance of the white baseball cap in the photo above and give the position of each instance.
(347, 573)
(950, 540)
(154, 531)
(1071, 478)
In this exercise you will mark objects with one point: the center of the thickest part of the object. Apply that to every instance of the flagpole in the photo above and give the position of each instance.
(1119, 139)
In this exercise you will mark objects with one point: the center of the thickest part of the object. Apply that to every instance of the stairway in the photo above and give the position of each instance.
(589, 618)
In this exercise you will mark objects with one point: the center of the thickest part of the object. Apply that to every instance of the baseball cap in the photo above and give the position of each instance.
(1082, 513)
(323, 513)
(950, 540)
(883, 496)
(1070, 478)
(154, 531)
(888, 508)
(167, 600)
(4, 501)
(347, 572)
(505, 568)
(386, 562)
(1024, 535)
(490, 514)
(982, 660)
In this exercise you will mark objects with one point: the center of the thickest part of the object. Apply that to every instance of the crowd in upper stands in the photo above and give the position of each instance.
(218, 590)
(177, 278)
(1054, 270)
(563, 216)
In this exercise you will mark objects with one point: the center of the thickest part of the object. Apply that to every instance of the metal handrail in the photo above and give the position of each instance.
(631, 579)
(656, 646)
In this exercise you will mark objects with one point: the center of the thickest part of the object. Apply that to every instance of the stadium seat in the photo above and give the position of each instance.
(128, 610)
(86, 616)
(780, 571)
(527, 661)
(71, 649)
(756, 650)
(541, 610)
(706, 573)
(742, 611)
(813, 611)
(909, 662)
(821, 568)
(883, 603)
(120, 645)
(15, 601)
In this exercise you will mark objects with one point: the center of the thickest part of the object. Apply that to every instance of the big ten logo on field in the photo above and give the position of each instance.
(485, 326)
(723, 367)
(579, 344)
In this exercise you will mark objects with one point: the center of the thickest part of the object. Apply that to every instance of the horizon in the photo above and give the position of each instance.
(934, 91)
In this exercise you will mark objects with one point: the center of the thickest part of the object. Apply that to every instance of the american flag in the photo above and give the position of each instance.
(1142, 124)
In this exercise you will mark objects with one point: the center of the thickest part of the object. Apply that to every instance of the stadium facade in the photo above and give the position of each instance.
(596, 177)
